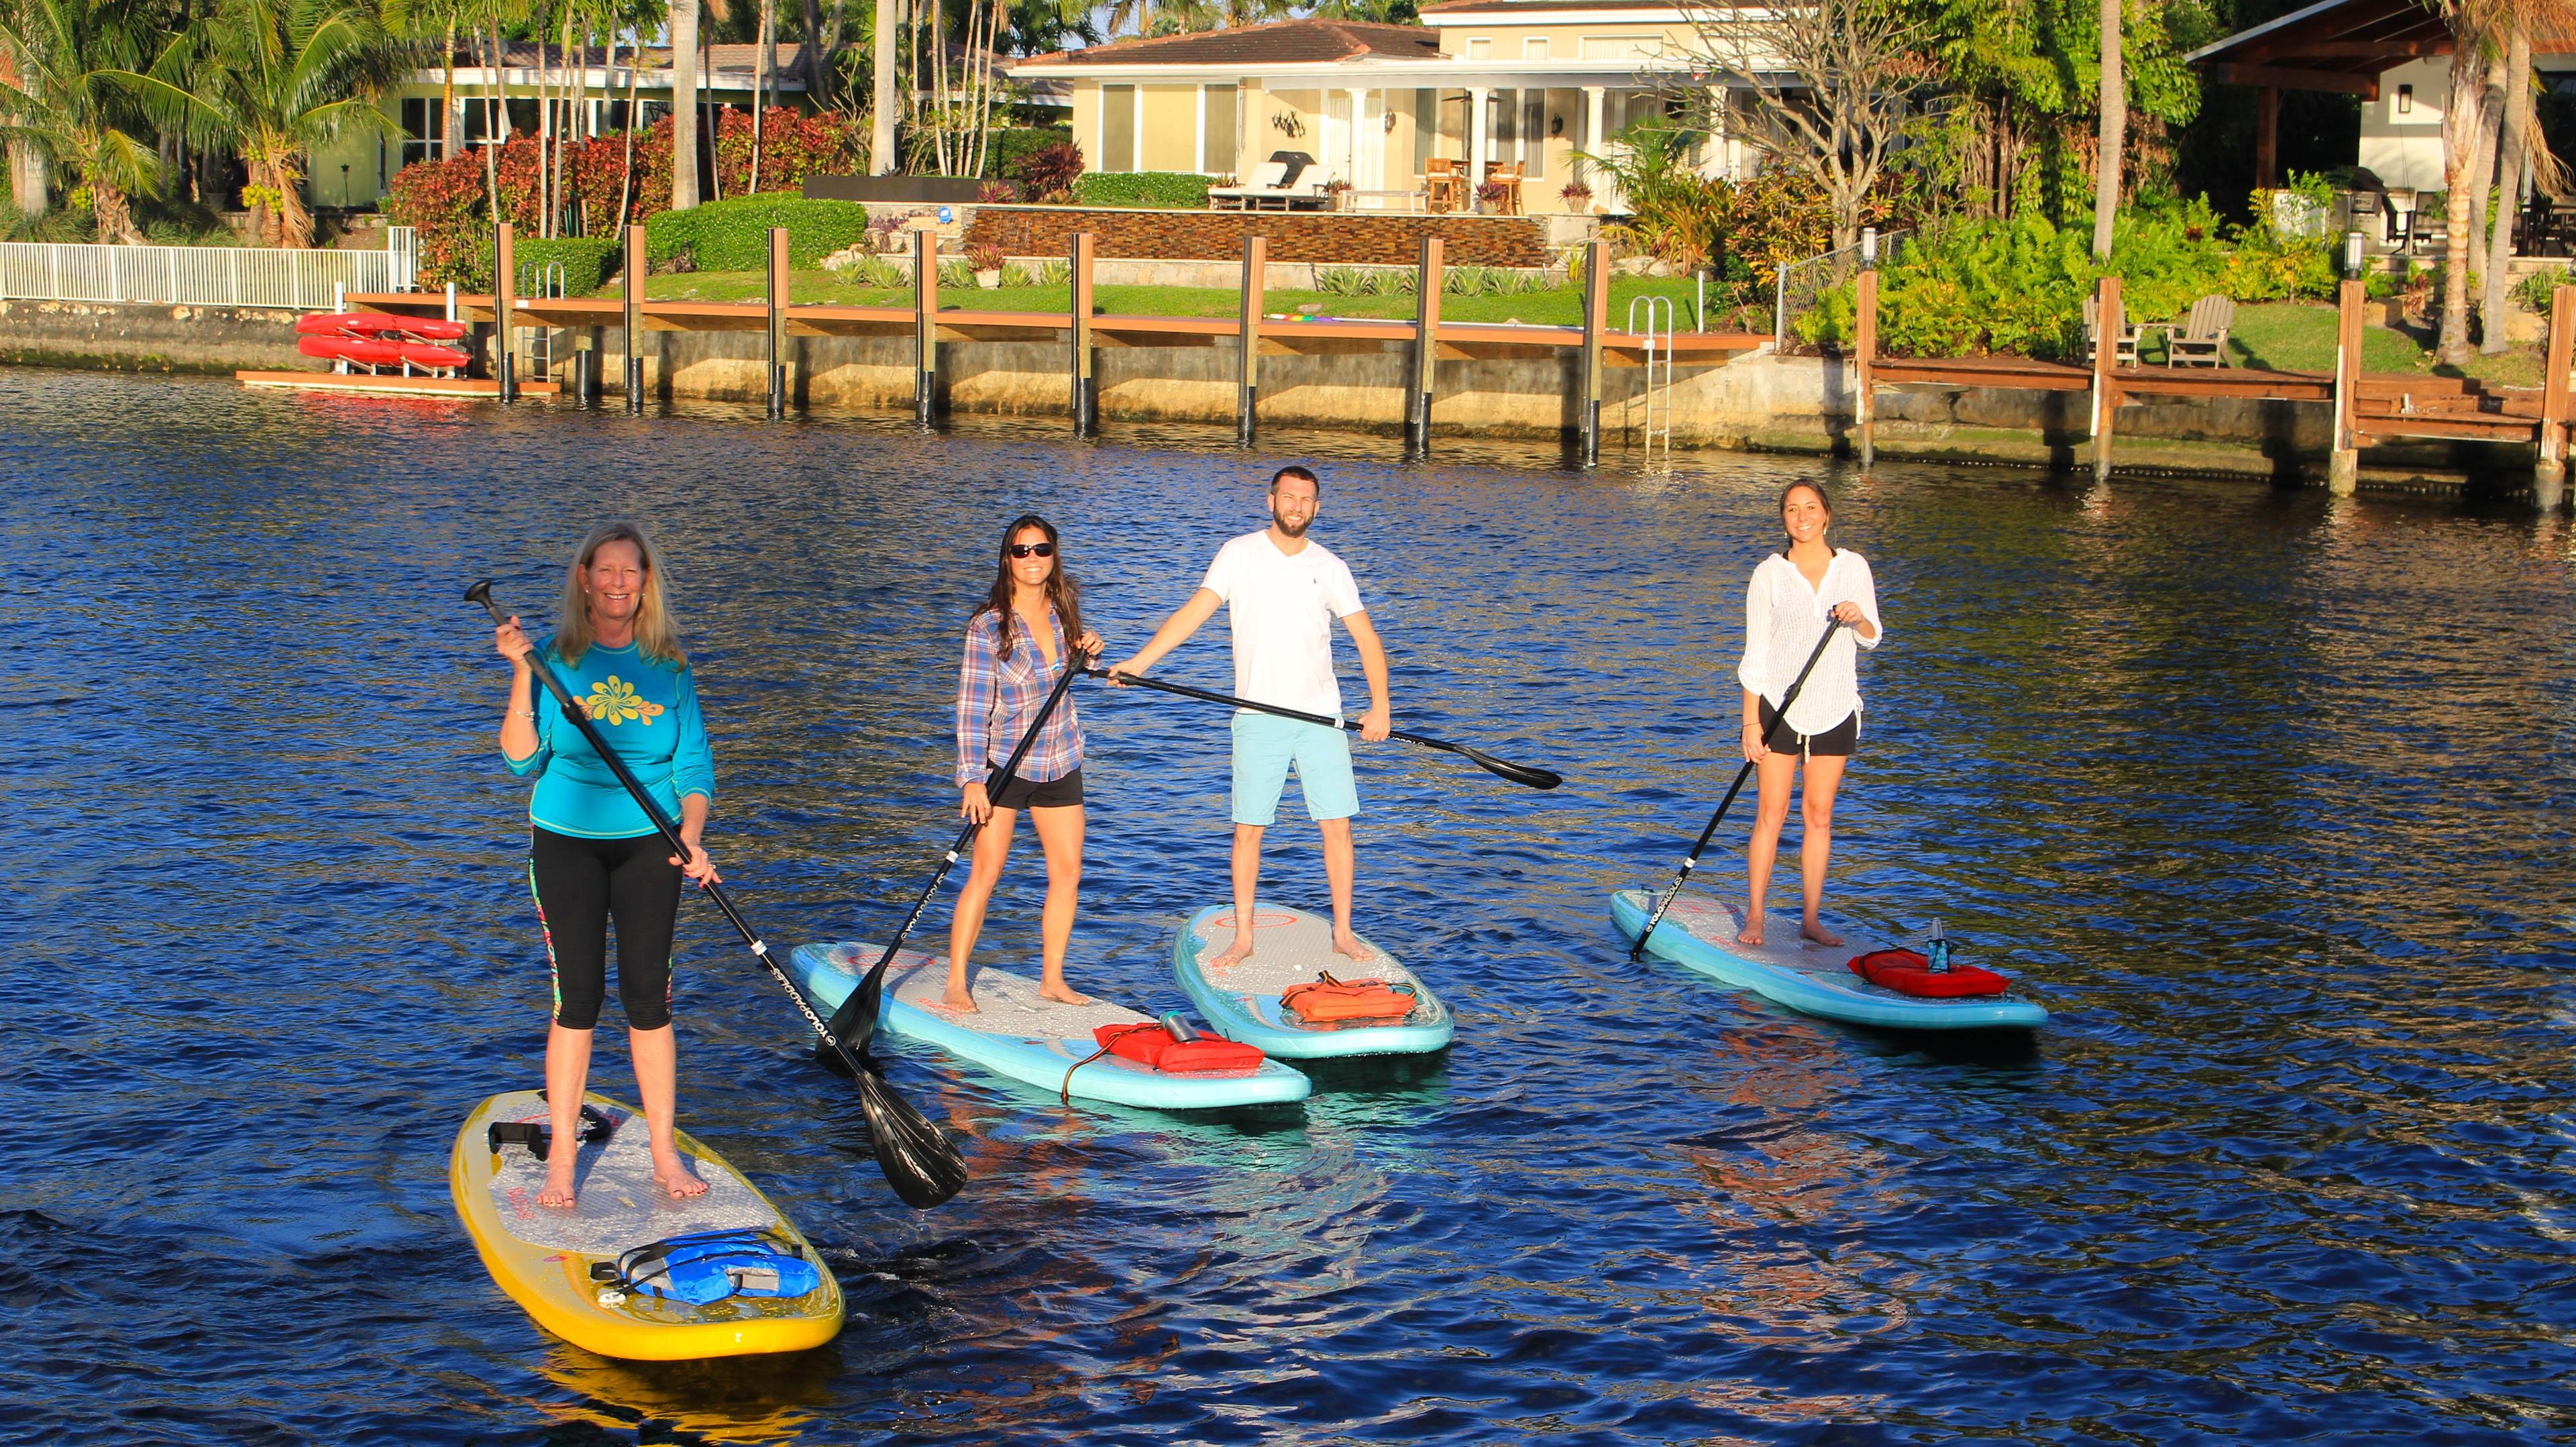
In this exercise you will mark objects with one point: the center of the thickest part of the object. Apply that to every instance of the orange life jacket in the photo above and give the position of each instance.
(1337, 1002)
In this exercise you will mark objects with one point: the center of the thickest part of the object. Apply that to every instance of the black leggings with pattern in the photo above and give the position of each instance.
(580, 885)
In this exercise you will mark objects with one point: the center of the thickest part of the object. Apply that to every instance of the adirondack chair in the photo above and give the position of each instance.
(2202, 342)
(2127, 353)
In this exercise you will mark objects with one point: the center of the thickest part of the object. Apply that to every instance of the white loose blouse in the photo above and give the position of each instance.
(1783, 617)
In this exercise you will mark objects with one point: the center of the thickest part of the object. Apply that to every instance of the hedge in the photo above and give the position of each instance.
(588, 262)
(1182, 190)
(1002, 158)
(734, 235)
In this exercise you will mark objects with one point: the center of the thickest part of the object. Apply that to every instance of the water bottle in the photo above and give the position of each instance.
(1178, 1026)
(1940, 948)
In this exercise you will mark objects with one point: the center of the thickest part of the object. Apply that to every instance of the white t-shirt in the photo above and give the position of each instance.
(1282, 607)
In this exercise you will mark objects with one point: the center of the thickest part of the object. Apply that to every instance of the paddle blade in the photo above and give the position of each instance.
(919, 1160)
(1517, 773)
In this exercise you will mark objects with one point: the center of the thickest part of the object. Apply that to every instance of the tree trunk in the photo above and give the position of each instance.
(496, 127)
(28, 179)
(2491, 111)
(760, 87)
(2115, 133)
(2461, 123)
(881, 125)
(684, 104)
(2517, 162)
(448, 139)
(634, 124)
(810, 59)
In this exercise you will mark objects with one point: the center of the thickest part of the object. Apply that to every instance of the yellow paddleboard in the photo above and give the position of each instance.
(542, 1256)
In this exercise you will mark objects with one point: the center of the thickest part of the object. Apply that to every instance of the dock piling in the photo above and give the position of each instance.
(1426, 346)
(505, 289)
(2549, 479)
(1596, 315)
(634, 319)
(777, 292)
(2343, 464)
(1865, 362)
(925, 325)
(1086, 386)
(2108, 326)
(585, 368)
(1256, 252)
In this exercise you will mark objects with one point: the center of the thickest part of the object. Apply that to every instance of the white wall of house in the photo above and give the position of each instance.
(2401, 132)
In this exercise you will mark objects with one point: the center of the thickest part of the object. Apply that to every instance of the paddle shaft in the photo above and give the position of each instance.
(1690, 861)
(862, 1001)
(1517, 773)
(645, 801)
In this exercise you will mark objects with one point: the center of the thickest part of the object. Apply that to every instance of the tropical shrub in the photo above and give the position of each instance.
(734, 235)
(587, 261)
(1180, 190)
(1008, 153)
(793, 146)
(1050, 174)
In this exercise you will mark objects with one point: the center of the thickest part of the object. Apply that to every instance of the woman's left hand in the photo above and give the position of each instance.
(1849, 614)
(698, 867)
(1088, 645)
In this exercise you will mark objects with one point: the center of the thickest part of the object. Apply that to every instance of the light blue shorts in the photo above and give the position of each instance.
(1266, 746)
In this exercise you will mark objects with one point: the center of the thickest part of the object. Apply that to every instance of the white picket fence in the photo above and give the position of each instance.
(205, 275)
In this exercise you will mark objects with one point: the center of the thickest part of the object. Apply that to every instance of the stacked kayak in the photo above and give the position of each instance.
(1256, 1000)
(1014, 1032)
(376, 340)
(1700, 933)
(629, 1271)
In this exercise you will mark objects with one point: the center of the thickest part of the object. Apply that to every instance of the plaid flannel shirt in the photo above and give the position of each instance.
(997, 697)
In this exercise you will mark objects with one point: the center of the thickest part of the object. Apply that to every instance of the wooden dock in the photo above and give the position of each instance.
(387, 384)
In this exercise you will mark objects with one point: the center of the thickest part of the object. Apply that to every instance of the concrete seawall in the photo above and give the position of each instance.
(1761, 402)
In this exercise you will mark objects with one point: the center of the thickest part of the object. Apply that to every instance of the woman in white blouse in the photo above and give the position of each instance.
(1795, 595)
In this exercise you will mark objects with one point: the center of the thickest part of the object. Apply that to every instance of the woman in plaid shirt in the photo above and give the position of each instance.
(1015, 653)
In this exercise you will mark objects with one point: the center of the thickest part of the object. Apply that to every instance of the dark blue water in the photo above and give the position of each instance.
(2267, 795)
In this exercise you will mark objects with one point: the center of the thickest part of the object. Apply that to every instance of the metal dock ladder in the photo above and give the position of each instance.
(1654, 398)
(541, 339)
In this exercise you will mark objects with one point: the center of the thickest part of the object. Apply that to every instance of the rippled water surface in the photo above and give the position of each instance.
(2266, 795)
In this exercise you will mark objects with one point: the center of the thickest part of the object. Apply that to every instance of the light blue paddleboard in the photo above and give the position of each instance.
(1292, 947)
(1013, 1032)
(1701, 933)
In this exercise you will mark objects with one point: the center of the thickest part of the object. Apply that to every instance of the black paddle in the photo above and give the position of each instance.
(856, 1020)
(1690, 861)
(919, 1160)
(1517, 773)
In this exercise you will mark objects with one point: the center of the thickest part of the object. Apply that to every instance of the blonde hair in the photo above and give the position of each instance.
(653, 631)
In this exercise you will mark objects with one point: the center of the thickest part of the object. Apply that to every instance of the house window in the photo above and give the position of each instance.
(1621, 47)
(1480, 48)
(1216, 130)
(1426, 127)
(2406, 100)
(1118, 128)
(1534, 47)
(424, 123)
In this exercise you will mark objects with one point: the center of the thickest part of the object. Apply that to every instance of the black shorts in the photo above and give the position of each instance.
(1834, 743)
(1061, 793)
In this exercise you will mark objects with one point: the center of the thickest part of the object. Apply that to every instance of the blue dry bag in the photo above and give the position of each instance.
(709, 1266)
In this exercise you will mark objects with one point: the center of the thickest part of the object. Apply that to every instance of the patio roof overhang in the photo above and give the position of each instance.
(2343, 45)
(1443, 74)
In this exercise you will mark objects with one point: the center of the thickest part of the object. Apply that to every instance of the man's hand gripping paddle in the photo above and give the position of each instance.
(919, 1160)
(1637, 951)
(856, 1020)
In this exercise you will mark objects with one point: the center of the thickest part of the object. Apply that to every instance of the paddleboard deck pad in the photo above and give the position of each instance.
(1014, 1032)
(543, 1256)
(1700, 933)
(1290, 948)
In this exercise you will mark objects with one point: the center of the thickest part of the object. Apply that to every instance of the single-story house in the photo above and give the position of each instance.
(1485, 82)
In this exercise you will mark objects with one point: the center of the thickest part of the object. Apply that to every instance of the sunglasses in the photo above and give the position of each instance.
(1033, 550)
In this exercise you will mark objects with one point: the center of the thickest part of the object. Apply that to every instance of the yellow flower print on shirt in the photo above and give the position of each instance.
(613, 701)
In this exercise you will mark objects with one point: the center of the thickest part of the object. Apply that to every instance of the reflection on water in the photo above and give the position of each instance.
(2266, 794)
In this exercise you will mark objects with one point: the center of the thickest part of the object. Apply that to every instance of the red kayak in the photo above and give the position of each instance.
(371, 324)
(365, 351)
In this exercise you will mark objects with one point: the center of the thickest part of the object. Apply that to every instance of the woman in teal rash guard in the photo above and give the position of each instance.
(593, 855)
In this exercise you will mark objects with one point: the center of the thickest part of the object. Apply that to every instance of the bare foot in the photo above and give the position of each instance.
(959, 999)
(1347, 943)
(672, 1175)
(1233, 954)
(1815, 932)
(558, 1191)
(1062, 994)
(1751, 934)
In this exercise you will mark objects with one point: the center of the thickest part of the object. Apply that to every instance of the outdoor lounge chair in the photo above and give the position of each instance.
(1274, 180)
(2127, 353)
(2203, 338)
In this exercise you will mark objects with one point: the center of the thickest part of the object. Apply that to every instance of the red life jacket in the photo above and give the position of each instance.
(1908, 973)
(1152, 1046)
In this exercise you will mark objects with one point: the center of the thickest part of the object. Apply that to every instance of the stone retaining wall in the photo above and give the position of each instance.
(147, 338)
(1335, 238)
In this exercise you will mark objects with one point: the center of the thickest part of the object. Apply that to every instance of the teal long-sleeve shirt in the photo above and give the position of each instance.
(649, 711)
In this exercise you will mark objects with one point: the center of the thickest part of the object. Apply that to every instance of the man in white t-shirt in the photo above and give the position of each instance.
(1282, 592)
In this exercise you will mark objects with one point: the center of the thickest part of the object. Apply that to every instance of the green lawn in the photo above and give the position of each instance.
(1560, 307)
(2300, 336)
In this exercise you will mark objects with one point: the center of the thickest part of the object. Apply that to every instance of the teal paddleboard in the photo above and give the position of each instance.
(1015, 1033)
(1290, 948)
(1700, 933)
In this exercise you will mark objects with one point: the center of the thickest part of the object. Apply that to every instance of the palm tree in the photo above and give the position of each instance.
(2473, 27)
(272, 79)
(2115, 133)
(684, 104)
(74, 96)
(1043, 27)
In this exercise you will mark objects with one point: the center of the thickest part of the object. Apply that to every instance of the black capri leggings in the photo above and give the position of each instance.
(581, 884)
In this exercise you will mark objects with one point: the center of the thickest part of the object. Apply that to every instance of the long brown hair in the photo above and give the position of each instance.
(1062, 591)
(654, 633)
